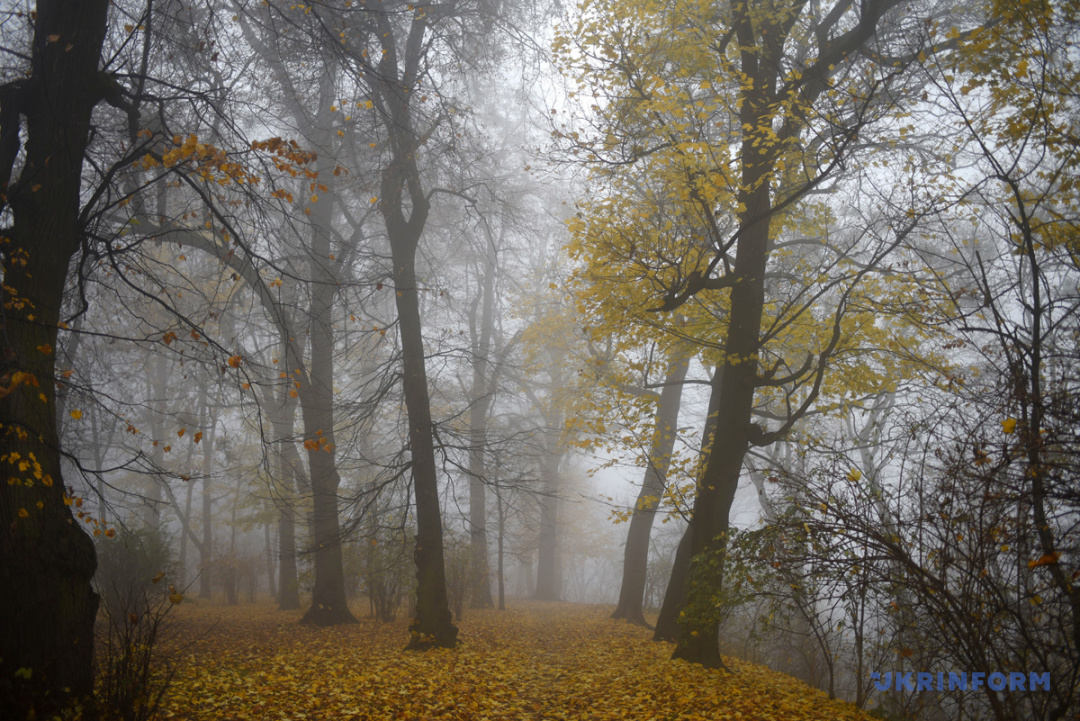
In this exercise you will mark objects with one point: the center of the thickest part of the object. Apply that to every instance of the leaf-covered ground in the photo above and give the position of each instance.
(534, 661)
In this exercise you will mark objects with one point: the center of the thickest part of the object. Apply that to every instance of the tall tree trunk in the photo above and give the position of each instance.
(433, 623)
(636, 555)
(548, 562)
(289, 472)
(481, 394)
(189, 498)
(288, 464)
(271, 580)
(157, 380)
(394, 83)
(288, 595)
(206, 549)
(761, 42)
(667, 622)
(502, 538)
(329, 604)
(698, 635)
(47, 607)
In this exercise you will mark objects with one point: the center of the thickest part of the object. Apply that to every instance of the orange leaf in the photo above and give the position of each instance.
(1047, 560)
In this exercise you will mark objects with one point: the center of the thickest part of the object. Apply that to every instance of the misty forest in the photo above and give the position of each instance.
(512, 359)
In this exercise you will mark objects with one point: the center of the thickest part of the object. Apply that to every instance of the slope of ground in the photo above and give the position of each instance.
(534, 661)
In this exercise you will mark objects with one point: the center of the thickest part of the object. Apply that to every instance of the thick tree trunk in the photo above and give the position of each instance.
(329, 604)
(47, 606)
(761, 41)
(433, 623)
(737, 381)
(636, 555)
(548, 562)
(667, 623)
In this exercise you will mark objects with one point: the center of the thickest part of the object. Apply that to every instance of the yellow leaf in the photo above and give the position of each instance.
(234, 361)
(1008, 425)
(76, 414)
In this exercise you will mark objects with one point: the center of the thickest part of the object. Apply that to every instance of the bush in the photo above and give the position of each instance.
(132, 673)
(130, 566)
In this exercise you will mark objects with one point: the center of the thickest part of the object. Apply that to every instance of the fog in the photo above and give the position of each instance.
(756, 329)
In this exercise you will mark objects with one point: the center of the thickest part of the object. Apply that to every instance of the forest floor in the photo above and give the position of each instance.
(533, 661)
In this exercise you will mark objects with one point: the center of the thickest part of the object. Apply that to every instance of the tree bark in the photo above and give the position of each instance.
(737, 381)
(636, 555)
(329, 604)
(502, 549)
(481, 392)
(667, 623)
(393, 87)
(432, 625)
(548, 563)
(288, 460)
(206, 549)
(47, 608)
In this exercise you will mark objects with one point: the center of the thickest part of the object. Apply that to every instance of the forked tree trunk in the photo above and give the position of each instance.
(47, 606)
(761, 108)
(393, 85)
(636, 554)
